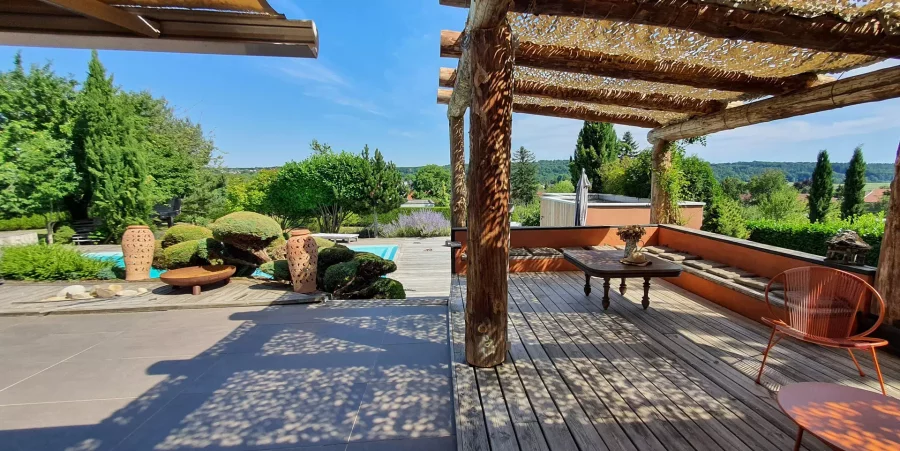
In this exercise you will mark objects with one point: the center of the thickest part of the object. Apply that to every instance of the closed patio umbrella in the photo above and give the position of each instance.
(581, 199)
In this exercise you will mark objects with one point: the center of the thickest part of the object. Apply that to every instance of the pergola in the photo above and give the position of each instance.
(684, 68)
(228, 27)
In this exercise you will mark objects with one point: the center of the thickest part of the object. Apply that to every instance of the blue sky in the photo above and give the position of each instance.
(375, 83)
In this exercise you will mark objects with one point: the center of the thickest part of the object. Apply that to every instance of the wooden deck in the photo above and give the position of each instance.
(678, 376)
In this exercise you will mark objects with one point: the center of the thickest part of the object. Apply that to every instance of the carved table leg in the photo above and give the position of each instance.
(587, 285)
(622, 287)
(645, 302)
(605, 293)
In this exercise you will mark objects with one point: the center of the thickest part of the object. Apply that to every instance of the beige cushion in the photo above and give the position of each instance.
(704, 264)
(730, 272)
(678, 256)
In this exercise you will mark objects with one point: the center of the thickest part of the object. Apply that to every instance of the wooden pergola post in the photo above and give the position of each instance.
(887, 279)
(458, 167)
(661, 211)
(490, 122)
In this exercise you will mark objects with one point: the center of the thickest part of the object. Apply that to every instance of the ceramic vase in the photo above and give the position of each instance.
(630, 248)
(137, 250)
(303, 259)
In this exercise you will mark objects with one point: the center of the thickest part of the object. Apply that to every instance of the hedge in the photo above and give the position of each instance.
(811, 238)
(29, 222)
(391, 216)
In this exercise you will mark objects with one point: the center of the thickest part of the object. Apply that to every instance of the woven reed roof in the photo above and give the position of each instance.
(623, 41)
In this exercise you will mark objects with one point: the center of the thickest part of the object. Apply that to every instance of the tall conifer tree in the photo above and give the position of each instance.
(523, 179)
(597, 144)
(852, 203)
(822, 189)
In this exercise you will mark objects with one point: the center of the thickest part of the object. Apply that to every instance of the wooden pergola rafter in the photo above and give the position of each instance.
(249, 27)
(484, 82)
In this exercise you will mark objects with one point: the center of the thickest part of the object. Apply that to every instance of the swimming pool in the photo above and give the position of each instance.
(385, 252)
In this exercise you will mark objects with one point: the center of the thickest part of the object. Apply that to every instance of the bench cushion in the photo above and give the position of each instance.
(678, 256)
(704, 264)
(730, 272)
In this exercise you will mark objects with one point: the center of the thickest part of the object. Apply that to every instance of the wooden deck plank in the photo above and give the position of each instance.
(471, 429)
(679, 376)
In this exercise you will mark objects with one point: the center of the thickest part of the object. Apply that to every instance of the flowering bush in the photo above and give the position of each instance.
(422, 223)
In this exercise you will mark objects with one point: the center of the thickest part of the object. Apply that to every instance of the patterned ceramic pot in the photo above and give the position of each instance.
(137, 250)
(303, 259)
(630, 248)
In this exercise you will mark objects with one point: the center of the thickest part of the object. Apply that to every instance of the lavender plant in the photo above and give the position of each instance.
(421, 224)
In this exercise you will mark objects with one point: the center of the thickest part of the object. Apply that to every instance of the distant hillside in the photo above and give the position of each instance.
(550, 171)
(799, 171)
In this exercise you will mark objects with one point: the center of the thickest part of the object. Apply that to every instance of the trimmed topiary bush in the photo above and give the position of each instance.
(329, 257)
(277, 249)
(811, 238)
(372, 266)
(193, 253)
(159, 255)
(185, 232)
(63, 235)
(340, 276)
(246, 230)
(278, 269)
(322, 243)
(50, 262)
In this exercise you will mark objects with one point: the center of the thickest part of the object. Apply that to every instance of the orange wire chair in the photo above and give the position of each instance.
(821, 305)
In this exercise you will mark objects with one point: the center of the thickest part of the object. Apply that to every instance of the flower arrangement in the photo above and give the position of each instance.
(631, 233)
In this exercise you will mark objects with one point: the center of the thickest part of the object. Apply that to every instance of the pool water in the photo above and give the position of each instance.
(385, 252)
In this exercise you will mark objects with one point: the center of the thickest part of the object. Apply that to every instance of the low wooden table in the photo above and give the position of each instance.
(606, 265)
(845, 418)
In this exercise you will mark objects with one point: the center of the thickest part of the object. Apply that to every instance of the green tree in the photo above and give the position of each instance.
(628, 147)
(613, 175)
(431, 181)
(44, 174)
(244, 193)
(822, 189)
(523, 177)
(562, 186)
(637, 175)
(762, 185)
(724, 216)
(597, 144)
(319, 148)
(176, 150)
(383, 185)
(781, 205)
(733, 187)
(208, 200)
(700, 183)
(852, 203)
(328, 186)
(108, 155)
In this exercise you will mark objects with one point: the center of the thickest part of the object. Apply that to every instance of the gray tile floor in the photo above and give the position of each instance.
(340, 376)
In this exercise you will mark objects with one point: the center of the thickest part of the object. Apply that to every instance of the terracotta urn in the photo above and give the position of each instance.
(137, 250)
(303, 259)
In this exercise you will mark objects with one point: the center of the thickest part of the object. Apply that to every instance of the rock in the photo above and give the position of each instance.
(115, 287)
(70, 290)
(142, 290)
(127, 293)
(104, 292)
(80, 296)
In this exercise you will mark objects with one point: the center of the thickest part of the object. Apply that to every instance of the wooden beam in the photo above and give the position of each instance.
(566, 59)
(458, 168)
(490, 122)
(871, 87)
(576, 112)
(652, 101)
(109, 14)
(182, 32)
(827, 32)
(483, 14)
(662, 209)
(887, 279)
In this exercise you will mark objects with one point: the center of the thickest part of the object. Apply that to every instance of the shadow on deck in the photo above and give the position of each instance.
(678, 376)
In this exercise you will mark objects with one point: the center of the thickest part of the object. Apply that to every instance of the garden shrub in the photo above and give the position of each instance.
(811, 238)
(322, 243)
(63, 235)
(391, 216)
(724, 216)
(372, 266)
(246, 230)
(422, 223)
(205, 251)
(277, 249)
(383, 288)
(278, 269)
(30, 222)
(159, 255)
(528, 215)
(329, 257)
(340, 275)
(50, 262)
(180, 233)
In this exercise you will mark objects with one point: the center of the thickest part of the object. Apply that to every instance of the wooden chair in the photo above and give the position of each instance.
(821, 306)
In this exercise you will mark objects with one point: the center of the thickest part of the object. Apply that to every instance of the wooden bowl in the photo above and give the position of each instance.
(195, 276)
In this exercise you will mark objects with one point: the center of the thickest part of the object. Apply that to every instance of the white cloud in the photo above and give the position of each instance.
(311, 70)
